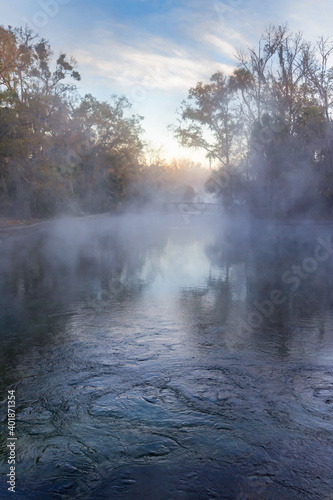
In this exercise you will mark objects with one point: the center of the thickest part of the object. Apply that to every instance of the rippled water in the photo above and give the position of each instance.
(137, 370)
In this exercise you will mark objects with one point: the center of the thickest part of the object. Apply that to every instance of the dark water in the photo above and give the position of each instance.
(143, 371)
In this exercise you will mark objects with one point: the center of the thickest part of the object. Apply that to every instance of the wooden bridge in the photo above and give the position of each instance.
(173, 207)
(188, 207)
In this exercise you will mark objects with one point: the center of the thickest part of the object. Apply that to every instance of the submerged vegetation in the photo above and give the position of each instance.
(266, 129)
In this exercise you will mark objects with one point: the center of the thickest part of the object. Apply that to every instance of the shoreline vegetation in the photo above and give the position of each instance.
(266, 130)
(11, 224)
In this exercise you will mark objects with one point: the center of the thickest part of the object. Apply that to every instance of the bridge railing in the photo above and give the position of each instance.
(191, 206)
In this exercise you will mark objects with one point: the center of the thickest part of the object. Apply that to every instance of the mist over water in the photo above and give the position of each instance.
(151, 358)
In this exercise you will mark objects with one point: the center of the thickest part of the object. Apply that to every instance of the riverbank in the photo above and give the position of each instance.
(9, 222)
(10, 225)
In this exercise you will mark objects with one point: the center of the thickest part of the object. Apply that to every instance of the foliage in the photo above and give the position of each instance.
(57, 149)
(268, 126)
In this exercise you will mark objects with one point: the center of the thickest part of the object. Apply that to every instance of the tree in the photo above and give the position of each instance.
(282, 92)
(110, 146)
(320, 74)
(209, 119)
(256, 63)
(243, 80)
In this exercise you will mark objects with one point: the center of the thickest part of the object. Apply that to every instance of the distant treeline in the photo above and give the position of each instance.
(268, 126)
(64, 153)
(58, 151)
(267, 130)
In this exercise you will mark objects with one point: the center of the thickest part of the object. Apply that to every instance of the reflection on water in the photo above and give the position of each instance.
(141, 371)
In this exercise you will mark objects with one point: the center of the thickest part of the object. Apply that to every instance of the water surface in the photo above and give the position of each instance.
(138, 374)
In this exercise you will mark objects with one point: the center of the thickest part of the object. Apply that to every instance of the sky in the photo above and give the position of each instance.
(153, 51)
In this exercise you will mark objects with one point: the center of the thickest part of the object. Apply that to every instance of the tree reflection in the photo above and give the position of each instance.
(246, 278)
(65, 269)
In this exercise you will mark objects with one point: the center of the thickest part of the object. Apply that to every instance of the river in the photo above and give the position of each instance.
(144, 369)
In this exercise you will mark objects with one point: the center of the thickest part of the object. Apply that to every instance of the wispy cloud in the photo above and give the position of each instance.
(224, 47)
(147, 65)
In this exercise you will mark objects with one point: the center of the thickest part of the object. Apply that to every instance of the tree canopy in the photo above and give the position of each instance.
(268, 125)
(266, 128)
(57, 149)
